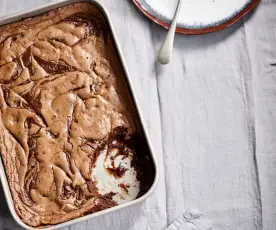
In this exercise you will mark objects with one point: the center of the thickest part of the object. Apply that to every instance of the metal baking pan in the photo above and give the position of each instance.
(4, 180)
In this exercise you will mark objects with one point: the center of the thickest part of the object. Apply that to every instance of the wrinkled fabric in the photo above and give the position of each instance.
(191, 220)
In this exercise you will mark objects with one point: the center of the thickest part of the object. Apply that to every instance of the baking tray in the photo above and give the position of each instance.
(35, 12)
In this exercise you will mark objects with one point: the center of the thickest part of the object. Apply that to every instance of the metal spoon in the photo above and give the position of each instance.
(165, 53)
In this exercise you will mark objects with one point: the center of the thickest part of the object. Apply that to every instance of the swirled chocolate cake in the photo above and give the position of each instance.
(68, 139)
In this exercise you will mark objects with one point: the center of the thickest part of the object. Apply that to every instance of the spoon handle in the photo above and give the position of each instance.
(165, 52)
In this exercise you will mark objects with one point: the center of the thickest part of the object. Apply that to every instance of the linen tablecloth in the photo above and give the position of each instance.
(211, 115)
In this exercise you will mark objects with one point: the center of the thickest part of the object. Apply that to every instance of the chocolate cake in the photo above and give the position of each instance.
(68, 136)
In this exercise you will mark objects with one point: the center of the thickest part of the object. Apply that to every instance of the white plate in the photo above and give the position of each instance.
(197, 16)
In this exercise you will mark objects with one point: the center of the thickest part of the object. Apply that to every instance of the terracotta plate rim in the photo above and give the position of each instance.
(181, 30)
